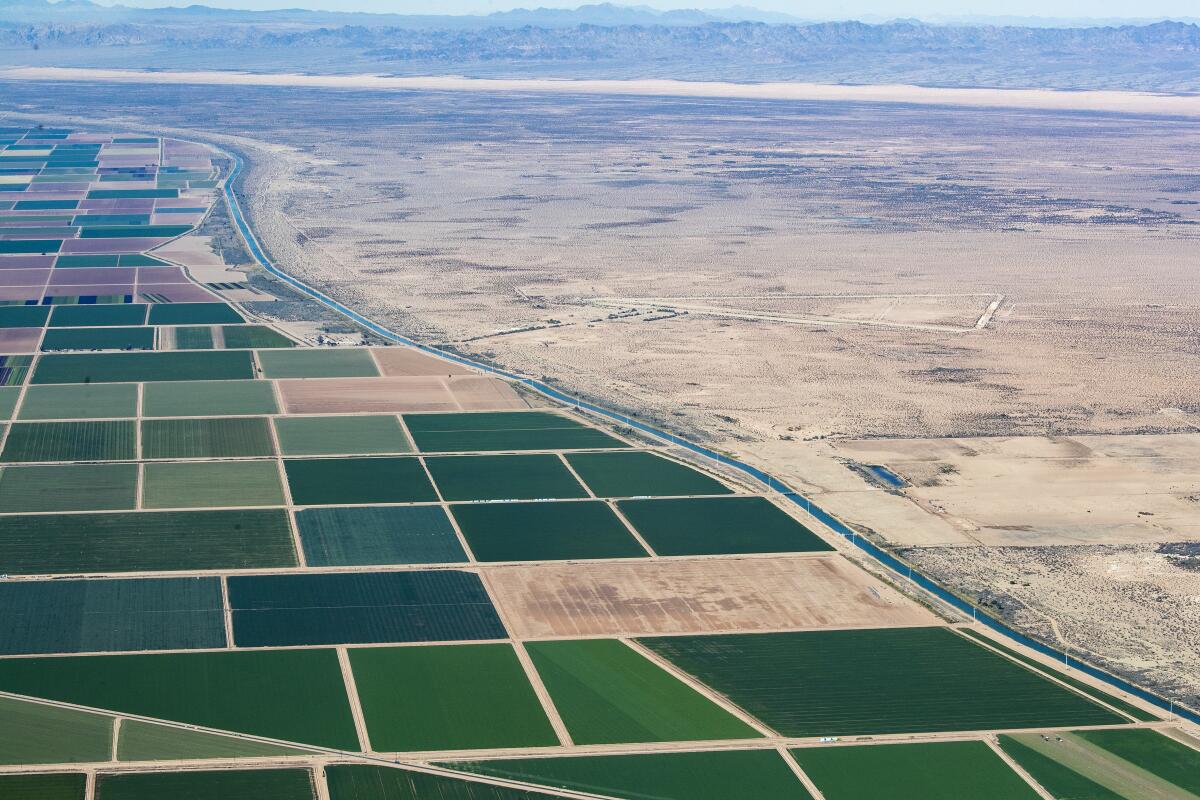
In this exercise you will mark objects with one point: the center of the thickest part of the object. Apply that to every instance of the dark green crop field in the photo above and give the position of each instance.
(219, 437)
(316, 436)
(109, 440)
(925, 771)
(113, 338)
(714, 525)
(243, 337)
(313, 363)
(717, 775)
(208, 399)
(192, 314)
(56, 786)
(110, 615)
(36, 733)
(342, 537)
(359, 607)
(90, 316)
(544, 531)
(133, 231)
(532, 477)
(23, 316)
(69, 487)
(294, 695)
(641, 474)
(261, 784)
(448, 697)
(1160, 755)
(366, 782)
(194, 337)
(607, 693)
(148, 541)
(504, 430)
(337, 481)
(1058, 779)
(896, 680)
(79, 401)
(148, 367)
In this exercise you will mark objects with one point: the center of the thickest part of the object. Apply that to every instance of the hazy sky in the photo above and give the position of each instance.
(811, 9)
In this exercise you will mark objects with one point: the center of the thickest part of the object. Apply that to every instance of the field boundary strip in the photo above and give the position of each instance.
(894, 565)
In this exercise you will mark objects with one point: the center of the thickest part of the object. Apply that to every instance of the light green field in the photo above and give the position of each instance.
(207, 484)
(8, 400)
(142, 741)
(80, 401)
(320, 436)
(208, 399)
(313, 363)
(68, 487)
(33, 733)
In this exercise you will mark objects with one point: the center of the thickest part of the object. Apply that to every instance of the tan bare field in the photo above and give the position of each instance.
(697, 596)
(397, 395)
(406, 362)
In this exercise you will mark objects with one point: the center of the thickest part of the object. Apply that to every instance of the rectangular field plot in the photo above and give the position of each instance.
(1161, 756)
(110, 440)
(842, 683)
(192, 314)
(147, 541)
(448, 697)
(359, 607)
(110, 615)
(105, 315)
(261, 784)
(925, 771)
(293, 695)
(313, 363)
(544, 531)
(8, 400)
(369, 782)
(54, 786)
(716, 775)
(504, 430)
(69, 487)
(641, 474)
(14, 370)
(143, 741)
(407, 361)
(98, 339)
(393, 395)
(79, 401)
(189, 338)
(23, 316)
(350, 481)
(249, 337)
(532, 477)
(207, 438)
(201, 484)
(607, 694)
(343, 537)
(148, 367)
(33, 733)
(208, 399)
(670, 596)
(715, 525)
(315, 436)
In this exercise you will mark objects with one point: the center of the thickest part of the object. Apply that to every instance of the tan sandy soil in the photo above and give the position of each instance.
(405, 362)
(696, 596)
(397, 394)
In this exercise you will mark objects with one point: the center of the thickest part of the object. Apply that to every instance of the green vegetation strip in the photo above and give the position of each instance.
(715, 525)
(133, 367)
(226, 437)
(143, 741)
(55, 786)
(69, 487)
(716, 775)
(641, 474)
(447, 698)
(1157, 754)
(339, 537)
(80, 401)
(925, 771)
(205, 484)
(901, 680)
(208, 399)
(145, 541)
(111, 440)
(306, 436)
(264, 784)
(504, 430)
(608, 694)
(531, 477)
(293, 695)
(544, 531)
(35, 733)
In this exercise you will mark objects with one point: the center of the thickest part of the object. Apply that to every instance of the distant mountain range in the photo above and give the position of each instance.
(604, 40)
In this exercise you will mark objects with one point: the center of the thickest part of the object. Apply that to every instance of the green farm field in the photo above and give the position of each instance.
(79, 401)
(264, 784)
(114, 338)
(98, 316)
(208, 399)
(192, 314)
(250, 337)
(307, 363)
(544, 531)
(68, 487)
(144, 741)
(525, 477)
(53, 786)
(340, 537)
(219, 437)
(35, 733)
(712, 526)
(148, 367)
(640, 474)
(108, 440)
(337, 481)
(368, 782)
(504, 430)
(203, 484)
(312, 436)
